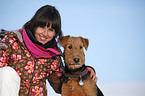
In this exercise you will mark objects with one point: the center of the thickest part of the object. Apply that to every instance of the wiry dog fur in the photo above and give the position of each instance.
(74, 60)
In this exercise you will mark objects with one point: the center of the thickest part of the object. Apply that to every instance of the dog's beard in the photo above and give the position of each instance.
(73, 67)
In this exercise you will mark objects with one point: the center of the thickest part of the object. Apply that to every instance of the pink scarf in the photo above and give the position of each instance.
(36, 50)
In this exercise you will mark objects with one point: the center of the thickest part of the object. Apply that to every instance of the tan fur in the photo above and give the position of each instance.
(73, 48)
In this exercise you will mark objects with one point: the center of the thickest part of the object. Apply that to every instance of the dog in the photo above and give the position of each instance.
(77, 80)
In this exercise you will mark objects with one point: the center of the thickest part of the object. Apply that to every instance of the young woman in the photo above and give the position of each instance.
(30, 55)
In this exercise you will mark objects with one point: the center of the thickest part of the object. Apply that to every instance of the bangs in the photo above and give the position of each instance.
(47, 19)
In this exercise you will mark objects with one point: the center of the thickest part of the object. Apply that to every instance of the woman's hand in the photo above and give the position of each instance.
(92, 74)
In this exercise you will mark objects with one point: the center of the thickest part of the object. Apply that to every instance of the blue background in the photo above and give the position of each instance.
(115, 29)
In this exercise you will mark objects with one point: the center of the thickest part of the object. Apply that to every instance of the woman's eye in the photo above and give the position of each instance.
(70, 47)
(51, 29)
(81, 47)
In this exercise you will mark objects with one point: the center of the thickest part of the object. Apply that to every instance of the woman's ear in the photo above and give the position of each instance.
(63, 40)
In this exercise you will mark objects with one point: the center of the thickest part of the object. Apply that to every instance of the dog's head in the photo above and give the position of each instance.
(73, 51)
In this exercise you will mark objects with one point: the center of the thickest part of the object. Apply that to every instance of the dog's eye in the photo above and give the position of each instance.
(70, 47)
(81, 47)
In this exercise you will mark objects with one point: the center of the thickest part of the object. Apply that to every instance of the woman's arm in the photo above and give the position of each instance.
(4, 46)
(55, 82)
(55, 79)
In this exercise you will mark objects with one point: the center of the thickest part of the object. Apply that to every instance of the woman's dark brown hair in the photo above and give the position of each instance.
(46, 15)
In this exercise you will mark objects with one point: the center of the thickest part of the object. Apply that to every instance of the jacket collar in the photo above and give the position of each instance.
(49, 44)
(36, 51)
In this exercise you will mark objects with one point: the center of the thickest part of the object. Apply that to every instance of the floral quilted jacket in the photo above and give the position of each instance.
(33, 72)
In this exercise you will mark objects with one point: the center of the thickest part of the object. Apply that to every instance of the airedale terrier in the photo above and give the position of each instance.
(78, 81)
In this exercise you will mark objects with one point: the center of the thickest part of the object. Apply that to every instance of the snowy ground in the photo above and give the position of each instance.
(116, 89)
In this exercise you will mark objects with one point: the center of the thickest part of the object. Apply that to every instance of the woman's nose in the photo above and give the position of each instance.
(45, 32)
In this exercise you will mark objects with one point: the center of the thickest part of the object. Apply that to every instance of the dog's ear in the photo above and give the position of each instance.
(62, 40)
(85, 42)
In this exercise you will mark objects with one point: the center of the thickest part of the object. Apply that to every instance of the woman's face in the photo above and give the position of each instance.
(44, 34)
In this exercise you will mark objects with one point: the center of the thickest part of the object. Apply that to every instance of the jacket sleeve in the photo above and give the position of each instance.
(92, 68)
(55, 78)
(4, 48)
(99, 92)
(55, 82)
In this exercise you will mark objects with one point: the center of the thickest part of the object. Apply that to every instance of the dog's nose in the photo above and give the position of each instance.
(76, 60)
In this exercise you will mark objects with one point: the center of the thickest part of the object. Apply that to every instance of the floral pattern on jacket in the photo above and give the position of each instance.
(33, 72)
